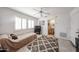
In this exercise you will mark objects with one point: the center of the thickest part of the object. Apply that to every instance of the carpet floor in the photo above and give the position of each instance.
(66, 46)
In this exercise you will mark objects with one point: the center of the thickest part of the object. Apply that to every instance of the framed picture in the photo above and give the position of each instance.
(41, 22)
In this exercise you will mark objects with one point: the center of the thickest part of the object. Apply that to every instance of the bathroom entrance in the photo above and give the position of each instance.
(51, 27)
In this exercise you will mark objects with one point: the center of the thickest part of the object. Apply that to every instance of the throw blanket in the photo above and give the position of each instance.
(44, 44)
(13, 46)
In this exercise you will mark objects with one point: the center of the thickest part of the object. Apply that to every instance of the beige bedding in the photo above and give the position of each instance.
(15, 45)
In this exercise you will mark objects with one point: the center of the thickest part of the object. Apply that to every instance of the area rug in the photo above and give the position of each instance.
(44, 44)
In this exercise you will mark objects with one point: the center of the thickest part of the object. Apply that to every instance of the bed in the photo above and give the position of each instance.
(14, 45)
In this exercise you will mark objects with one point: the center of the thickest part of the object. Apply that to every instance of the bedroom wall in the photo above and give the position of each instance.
(74, 23)
(7, 17)
(62, 25)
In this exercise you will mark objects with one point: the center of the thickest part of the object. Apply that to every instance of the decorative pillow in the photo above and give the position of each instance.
(13, 36)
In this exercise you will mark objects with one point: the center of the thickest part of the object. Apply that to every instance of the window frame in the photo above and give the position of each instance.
(21, 24)
(32, 24)
(16, 27)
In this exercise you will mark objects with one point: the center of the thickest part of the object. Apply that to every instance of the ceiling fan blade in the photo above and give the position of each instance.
(36, 10)
(41, 15)
(41, 12)
(36, 13)
(45, 13)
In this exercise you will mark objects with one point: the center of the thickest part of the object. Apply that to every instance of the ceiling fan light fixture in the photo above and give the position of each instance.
(41, 12)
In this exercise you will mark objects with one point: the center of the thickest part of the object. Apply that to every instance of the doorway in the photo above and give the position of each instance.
(51, 27)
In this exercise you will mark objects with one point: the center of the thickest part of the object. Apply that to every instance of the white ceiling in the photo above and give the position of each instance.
(51, 10)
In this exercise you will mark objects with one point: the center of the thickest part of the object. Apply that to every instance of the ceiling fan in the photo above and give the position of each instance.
(41, 12)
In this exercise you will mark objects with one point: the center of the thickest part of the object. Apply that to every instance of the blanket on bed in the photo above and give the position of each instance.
(12, 46)
(44, 44)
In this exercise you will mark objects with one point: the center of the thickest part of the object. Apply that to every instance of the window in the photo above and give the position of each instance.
(17, 23)
(24, 23)
(21, 23)
(30, 24)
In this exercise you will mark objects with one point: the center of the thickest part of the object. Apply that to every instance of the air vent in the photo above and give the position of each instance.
(63, 34)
